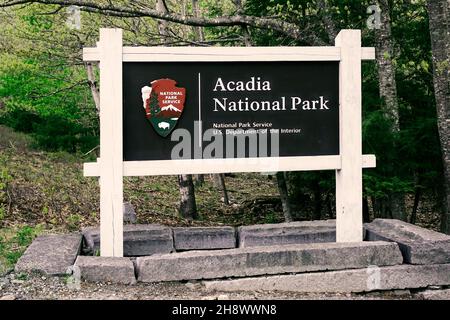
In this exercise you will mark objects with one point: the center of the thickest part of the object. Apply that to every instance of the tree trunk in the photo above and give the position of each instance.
(284, 195)
(239, 9)
(375, 207)
(439, 18)
(92, 81)
(199, 179)
(162, 24)
(328, 201)
(185, 30)
(224, 189)
(417, 196)
(388, 91)
(188, 207)
(380, 208)
(397, 206)
(366, 212)
(330, 26)
(386, 71)
(317, 201)
(219, 183)
(199, 35)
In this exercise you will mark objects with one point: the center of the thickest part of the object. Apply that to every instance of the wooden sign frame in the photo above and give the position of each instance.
(111, 168)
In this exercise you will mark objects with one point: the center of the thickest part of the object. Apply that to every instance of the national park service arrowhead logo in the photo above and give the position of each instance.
(163, 104)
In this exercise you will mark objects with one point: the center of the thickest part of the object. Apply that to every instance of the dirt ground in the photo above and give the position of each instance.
(47, 193)
(17, 287)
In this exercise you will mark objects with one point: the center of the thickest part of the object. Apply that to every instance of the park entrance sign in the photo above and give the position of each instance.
(192, 110)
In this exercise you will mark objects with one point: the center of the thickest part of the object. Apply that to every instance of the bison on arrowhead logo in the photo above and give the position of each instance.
(163, 104)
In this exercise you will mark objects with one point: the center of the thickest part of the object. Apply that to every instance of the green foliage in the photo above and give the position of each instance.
(25, 235)
(43, 88)
(46, 106)
(45, 187)
(271, 217)
(22, 276)
(13, 242)
(406, 160)
(74, 221)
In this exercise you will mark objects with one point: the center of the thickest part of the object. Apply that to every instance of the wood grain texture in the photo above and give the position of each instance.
(218, 54)
(111, 164)
(205, 166)
(349, 217)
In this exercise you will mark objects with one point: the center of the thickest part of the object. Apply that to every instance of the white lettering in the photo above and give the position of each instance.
(254, 84)
(219, 83)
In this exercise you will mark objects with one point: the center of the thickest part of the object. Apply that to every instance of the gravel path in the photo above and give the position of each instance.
(13, 287)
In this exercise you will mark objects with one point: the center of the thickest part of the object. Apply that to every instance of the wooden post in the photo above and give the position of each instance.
(111, 155)
(349, 178)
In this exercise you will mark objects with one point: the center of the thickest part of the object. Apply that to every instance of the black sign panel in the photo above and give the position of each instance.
(297, 101)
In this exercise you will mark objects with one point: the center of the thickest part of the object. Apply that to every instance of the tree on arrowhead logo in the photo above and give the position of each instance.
(163, 104)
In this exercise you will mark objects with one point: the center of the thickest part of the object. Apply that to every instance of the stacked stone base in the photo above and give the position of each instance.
(368, 279)
(244, 262)
(298, 257)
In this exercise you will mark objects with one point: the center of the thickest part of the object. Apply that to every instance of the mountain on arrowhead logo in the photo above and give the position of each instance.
(163, 103)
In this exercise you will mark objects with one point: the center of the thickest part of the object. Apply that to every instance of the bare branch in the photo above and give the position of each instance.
(286, 28)
(51, 12)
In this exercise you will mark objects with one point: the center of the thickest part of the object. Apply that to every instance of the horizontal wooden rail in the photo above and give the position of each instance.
(221, 54)
(204, 166)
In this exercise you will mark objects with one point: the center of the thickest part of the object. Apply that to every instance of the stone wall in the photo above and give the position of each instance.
(298, 256)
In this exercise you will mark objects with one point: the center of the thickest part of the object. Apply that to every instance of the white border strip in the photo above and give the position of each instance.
(205, 166)
(226, 54)
(200, 135)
